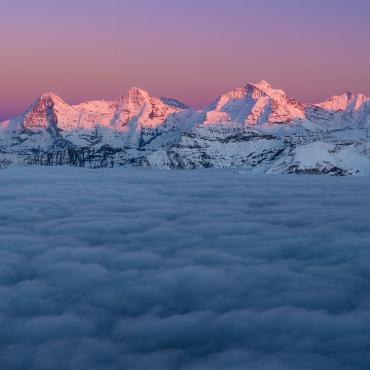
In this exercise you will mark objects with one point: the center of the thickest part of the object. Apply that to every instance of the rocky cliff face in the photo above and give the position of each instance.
(256, 127)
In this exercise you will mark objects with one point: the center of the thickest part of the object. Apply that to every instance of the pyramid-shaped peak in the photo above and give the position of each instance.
(47, 99)
(264, 87)
(42, 113)
(263, 83)
(136, 92)
(50, 96)
(134, 98)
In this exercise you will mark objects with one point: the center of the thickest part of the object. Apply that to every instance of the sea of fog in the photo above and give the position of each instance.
(209, 269)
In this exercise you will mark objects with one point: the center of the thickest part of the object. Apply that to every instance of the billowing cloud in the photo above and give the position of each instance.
(142, 269)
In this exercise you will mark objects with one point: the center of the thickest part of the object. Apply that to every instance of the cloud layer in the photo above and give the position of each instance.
(142, 269)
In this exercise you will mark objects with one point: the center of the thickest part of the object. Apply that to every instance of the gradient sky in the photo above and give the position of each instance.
(187, 49)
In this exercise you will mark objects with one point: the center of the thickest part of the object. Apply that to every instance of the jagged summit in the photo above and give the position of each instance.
(136, 93)
(348, 101)
(50, 95)
(136, 108)
(254, 104)
(43, 112)
(263, 83)
(137, 90)
(134, 99)
(252, 126)
(264, 87)
(48, 99)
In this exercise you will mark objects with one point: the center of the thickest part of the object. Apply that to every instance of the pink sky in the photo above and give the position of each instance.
(190, 50)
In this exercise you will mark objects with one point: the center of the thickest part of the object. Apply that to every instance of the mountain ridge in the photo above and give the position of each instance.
(255, 126)
(266, 105)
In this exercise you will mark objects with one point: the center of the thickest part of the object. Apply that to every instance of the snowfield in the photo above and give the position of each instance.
(205, 269)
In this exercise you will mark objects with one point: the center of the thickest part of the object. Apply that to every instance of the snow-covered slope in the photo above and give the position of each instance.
(347, 110)
(135, 109)
(347, 102)
(255, 126)
(255, 104)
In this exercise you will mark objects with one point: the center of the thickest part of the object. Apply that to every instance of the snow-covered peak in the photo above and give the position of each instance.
(43, 112)
(51, 97)
(134, 110)
(136, 91)
(138, 109)
(348, 102)
(254, 104)
(257, 103)
(136, 95)
(264, 87)
(134, 100)
(263, 84)
(49, 100)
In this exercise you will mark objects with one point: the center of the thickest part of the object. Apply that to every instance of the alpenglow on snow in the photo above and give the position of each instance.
(255, 127)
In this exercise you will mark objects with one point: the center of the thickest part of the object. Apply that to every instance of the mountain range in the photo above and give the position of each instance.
(255, 127)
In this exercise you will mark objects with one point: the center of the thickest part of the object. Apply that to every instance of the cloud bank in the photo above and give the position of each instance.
(145, 269)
